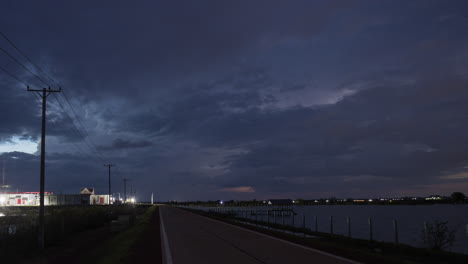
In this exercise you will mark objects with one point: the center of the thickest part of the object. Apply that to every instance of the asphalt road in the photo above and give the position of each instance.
(191, 238)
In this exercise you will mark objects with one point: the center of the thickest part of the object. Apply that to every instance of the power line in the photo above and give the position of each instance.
(69, 133)
(77, 130)
(48, 113)
(97, 153)
(19, 80)
(22, 65)
(81, 124)
(27, 57)
(13, 76)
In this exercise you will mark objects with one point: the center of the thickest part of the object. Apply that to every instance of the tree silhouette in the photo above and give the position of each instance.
(458, 197)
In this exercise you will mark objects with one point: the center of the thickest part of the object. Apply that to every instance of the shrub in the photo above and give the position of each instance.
(437, 235)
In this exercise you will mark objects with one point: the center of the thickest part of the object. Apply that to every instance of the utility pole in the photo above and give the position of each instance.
(151, 198)
(3, 174)
(109, 166)
(44, 93)
(125, 190)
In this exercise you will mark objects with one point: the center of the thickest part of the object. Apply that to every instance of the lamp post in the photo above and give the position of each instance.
(113, 195)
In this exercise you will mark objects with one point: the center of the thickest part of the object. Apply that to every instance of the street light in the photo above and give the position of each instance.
(113, 195)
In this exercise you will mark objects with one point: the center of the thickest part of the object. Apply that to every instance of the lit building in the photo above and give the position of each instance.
(86, 197)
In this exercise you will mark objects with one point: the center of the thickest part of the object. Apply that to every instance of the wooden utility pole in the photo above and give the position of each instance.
(44, 93)
(109, 166)
(125, 190)
(3, 174)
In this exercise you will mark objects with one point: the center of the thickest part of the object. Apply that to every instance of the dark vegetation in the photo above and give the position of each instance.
(458, 197)
(138, 244)
(357, 249)
(18, 230)
(438, 236)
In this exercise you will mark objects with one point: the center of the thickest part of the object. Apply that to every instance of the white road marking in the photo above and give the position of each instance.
(285, 241)
(167, 251)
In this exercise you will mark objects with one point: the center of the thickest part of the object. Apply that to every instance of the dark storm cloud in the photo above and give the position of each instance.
(20, 114)
(408, 134)
(126, 144)
(159, 38)
(17, 112)
(292, 98)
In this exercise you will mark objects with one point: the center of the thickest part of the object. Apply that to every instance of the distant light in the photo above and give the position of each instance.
(370, 200)
(221, 202)
(20, 145)
(316, 201)
(327, 201)
(1, 214)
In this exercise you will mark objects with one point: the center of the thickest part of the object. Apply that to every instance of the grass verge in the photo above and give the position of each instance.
(117, 248)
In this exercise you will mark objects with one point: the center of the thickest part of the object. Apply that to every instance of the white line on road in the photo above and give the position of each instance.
(285, 241)
(167, 251)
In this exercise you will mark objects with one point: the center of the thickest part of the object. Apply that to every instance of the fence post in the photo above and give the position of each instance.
(395, 230)
(282, 218)
(426, 235)
(316, 223)
(292, 215)
(304, 224)
(62, 226)
(256, 217)
(268, 219)
(331, 224)
(348, 220)
(371, 237)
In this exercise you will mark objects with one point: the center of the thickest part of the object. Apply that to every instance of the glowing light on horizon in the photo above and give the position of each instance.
(19, 145)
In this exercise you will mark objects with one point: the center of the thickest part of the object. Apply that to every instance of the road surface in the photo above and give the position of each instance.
(191, 238)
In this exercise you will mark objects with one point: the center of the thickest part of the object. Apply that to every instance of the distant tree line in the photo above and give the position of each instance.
(456, 197)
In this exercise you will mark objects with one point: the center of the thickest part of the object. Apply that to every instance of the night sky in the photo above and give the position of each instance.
(197, 100)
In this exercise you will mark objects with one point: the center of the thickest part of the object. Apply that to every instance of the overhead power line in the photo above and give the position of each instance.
(22, 65)
(19, 80)
(81, 124)
(83, 135)
(12, 75)
(78, 131)
(27, 57)
(48, 114)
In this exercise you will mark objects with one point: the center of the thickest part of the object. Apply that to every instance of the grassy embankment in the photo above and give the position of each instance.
(120, 248)
(356, 249)
(66, 227)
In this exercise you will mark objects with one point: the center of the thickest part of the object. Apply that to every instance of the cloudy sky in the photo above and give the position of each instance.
(240, 99)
